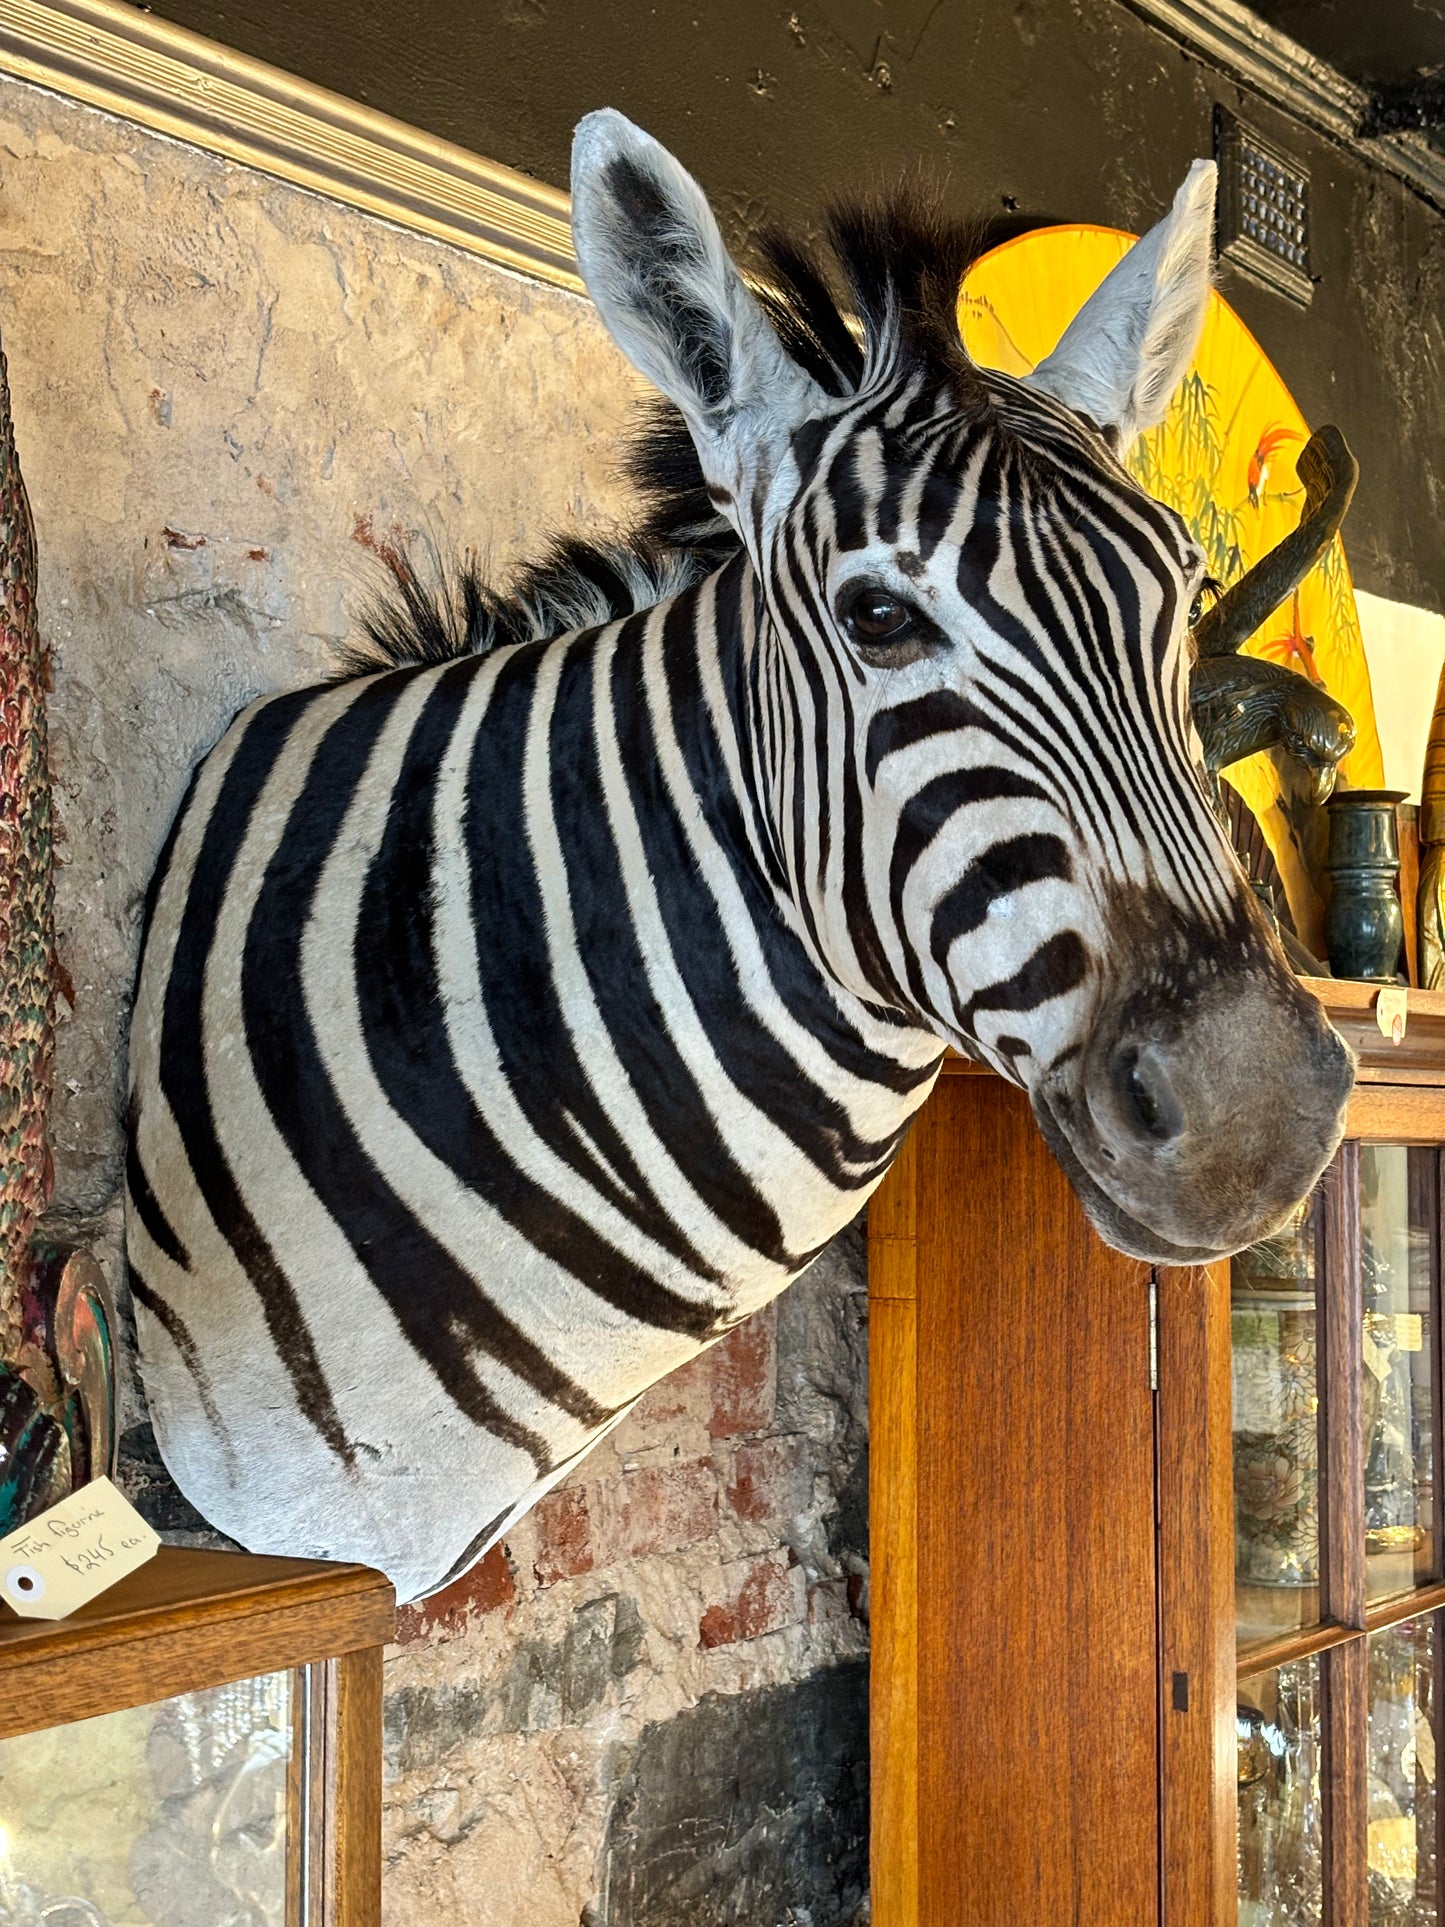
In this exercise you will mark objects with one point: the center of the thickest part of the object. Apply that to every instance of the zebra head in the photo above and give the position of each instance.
(972, 764)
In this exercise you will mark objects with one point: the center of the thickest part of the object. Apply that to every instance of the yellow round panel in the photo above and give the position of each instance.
(1224, 458)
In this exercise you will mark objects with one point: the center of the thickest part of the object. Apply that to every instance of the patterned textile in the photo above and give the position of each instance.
(27, 919)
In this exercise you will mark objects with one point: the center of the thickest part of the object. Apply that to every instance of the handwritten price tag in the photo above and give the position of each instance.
(73, 1553)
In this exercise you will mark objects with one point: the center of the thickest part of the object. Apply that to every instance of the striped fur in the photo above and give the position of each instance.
(518, 1016)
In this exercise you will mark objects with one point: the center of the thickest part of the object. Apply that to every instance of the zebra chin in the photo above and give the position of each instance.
(1119, 1227)
(1194, 1131)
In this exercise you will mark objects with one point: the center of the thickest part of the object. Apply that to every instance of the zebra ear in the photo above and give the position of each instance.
(1130, 345)
(675, 304)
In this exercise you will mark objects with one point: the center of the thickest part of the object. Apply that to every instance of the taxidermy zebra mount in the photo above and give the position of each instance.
(522, 1012)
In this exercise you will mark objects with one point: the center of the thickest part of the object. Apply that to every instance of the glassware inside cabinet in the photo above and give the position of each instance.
(1401, 1775)
(174, 1813)
(1276, 1420)
(1397, 1227)
(1281, 1861)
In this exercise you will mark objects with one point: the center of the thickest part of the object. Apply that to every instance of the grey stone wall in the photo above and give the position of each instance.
(649, 1705)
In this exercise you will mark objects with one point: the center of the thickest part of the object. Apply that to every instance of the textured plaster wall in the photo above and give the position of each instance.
(1030, 111)
(650, 1703)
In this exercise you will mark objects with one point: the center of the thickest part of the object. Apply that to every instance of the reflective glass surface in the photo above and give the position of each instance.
(1276, 1444)
(172, 1815)
(1396, 1234)
(1280, 1853)
(1400, 1763)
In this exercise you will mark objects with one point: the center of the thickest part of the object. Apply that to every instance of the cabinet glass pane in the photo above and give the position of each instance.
(1397, 1189)
(1280, 1840)
(1276, 1442)
(167, 1814)
(1400, 1763)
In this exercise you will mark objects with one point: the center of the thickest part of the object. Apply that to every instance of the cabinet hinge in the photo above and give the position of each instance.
(1153, 1332)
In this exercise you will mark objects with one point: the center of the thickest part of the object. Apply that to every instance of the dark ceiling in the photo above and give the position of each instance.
(1393, 48)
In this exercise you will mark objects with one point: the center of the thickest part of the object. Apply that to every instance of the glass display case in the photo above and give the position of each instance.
(1305, 1597)
(1335, 1349)
(247, 1796)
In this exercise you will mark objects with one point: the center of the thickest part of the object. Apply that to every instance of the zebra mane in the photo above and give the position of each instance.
(900, 261)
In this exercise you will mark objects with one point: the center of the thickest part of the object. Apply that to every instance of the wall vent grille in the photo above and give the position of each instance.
(1264, 209)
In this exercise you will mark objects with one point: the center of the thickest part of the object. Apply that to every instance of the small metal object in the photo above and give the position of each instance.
(1264, 209)
(1392, 1012)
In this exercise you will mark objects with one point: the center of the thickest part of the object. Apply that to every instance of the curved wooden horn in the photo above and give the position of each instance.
(1329, 473)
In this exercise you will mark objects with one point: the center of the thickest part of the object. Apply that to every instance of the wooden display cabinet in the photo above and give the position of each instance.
(1131, 1665)
(201, 1742)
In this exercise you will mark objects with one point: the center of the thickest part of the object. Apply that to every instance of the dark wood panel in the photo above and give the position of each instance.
(1340, 1324)
(893, 1541)
(1344, 1669)
(354, 1794)
(1346, 1709)
(185, 1621)
(1408, 816)
(1198, 1749)
(1397, 1113)
(1036, 1542)
(1263, 1655)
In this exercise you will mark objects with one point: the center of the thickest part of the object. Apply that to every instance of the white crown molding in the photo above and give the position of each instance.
(178, 84)
(1288, 76)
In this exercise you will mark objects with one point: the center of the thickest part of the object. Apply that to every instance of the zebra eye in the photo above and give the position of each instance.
(873, 615)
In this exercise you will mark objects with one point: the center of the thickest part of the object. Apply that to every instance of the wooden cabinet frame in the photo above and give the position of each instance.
(976, 1826)
(190, 1620)
(1010, 1355)
(1198, 1814)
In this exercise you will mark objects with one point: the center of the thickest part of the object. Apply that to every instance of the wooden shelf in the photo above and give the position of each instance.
(186, 1621)
(1419, 1057)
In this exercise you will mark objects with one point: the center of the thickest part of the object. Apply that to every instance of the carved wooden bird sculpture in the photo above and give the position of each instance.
(1242, 705)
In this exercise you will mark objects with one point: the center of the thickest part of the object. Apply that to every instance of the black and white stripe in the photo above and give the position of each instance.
(518, 1016)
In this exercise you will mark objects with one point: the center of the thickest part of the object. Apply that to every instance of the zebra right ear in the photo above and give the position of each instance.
(1130, 345)
(675, 304)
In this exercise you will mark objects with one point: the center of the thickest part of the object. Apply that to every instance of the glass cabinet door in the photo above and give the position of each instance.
(1336, 1365)
(171, 1815)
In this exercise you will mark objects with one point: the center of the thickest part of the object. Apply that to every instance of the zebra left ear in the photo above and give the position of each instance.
(675, 304)
(1130, 345)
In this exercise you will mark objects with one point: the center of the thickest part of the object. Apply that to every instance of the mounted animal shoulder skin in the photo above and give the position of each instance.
(524, 1009)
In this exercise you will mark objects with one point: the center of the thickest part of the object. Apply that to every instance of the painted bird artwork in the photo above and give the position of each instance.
(1293, 648)
(1262, 460)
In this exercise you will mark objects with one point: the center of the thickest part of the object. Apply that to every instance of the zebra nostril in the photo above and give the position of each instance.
(1148, 1102)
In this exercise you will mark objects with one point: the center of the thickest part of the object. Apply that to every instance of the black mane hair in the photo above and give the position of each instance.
(900, 261)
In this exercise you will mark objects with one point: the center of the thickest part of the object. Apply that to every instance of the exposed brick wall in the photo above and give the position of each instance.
(712, 1549)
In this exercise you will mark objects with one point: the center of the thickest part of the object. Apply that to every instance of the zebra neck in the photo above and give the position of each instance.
(704, 730)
